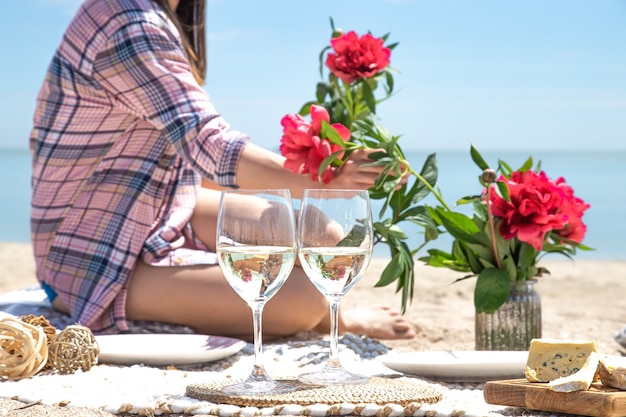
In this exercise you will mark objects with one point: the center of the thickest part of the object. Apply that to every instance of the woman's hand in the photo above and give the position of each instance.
(357, 172)
(261, 168)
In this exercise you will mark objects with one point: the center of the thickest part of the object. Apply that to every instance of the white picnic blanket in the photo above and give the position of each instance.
(156, 390)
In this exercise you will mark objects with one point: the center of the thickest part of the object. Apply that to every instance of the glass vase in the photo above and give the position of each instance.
(515, 323)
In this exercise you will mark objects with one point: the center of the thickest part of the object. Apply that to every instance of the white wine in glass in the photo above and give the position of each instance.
(256, 248)
(335, 240)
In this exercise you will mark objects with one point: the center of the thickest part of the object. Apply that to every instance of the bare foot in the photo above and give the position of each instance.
(376, 321)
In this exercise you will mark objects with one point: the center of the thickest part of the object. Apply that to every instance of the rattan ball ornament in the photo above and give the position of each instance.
(23, 349)
(48, 329)
(74, 348)
(43, 322)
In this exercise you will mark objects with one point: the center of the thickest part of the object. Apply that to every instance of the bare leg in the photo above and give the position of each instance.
(200, 297)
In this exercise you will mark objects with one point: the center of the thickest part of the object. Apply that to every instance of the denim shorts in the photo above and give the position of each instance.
(52, 294)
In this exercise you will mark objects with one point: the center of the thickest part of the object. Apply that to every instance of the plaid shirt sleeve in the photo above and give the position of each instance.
(146, 71)
(121, 134)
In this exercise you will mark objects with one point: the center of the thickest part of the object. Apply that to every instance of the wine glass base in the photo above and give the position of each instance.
(256, 388)
(332, 377)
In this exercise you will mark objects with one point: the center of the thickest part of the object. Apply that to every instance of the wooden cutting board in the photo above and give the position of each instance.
(600, 400)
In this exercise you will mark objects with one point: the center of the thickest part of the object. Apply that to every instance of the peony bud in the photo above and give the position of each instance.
(337, 33)
(489, 176)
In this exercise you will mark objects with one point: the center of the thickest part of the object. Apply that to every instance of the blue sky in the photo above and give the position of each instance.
(514, 74)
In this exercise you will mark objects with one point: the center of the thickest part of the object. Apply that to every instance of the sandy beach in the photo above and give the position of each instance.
(580, 299)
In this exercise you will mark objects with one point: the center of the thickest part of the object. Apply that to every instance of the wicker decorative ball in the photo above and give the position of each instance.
(74, 348)
(23, 349)
(43, 322)
(48, 329)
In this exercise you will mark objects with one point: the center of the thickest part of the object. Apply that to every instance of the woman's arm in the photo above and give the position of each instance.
(261, 168)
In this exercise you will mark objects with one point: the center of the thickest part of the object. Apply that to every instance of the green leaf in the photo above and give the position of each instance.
(329, 160)
(431, 232)
(429, 173)
(480, 211)
(389, 80)
(368, 96)
(392, 45)
(474, 262)
(458, 250)
(468, 200)
(436, 254)
(322, 60)
(526, 261)
(392, 271)
(322, 90)
(484, 253)
(396, 232)
(478, 159)
(413, 213)
(508, 264)
(381, 157)
(406, 283)
(505, 168)
(459, 226)
(429, 169)
(306, 108)
(503, 246)
(330, 133)
(504, 190)
(492, 290)
(380, 228)
(438, 258)
(527, 165)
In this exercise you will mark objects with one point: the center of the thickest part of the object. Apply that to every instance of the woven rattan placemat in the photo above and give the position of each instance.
(377, 390)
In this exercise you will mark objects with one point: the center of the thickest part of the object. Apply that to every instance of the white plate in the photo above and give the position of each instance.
(459, 366)
(165, 349)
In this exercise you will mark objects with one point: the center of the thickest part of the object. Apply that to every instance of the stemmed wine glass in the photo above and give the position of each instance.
(335, 240)
(256, 248)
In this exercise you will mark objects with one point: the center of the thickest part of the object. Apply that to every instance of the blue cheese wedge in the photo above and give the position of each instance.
(578, 381)
(612, 371)
(549, 359)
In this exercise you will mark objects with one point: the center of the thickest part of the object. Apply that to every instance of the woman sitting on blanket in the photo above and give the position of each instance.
(125, 144)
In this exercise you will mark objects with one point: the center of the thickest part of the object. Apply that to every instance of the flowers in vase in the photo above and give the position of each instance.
(519, 217)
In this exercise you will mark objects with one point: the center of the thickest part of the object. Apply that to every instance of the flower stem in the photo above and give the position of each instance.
(492, 227)
(348, 103)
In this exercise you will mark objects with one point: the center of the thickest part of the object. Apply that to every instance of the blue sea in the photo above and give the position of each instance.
(597, 177)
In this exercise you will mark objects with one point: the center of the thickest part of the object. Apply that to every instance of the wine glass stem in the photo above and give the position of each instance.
(334, 333)
(257, 316)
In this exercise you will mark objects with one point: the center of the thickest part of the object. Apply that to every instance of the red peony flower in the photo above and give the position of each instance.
(304, 148)
(534, 209)
(574, 208)
(538, 207)
(357, 58)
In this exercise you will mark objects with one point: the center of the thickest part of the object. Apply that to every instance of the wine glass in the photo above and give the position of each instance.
(335, 240)
(256, 249)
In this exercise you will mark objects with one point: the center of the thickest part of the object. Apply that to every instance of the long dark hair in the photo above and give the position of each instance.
(189, 18)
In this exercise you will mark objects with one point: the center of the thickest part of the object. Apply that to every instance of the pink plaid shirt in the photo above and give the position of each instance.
(122, 135)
